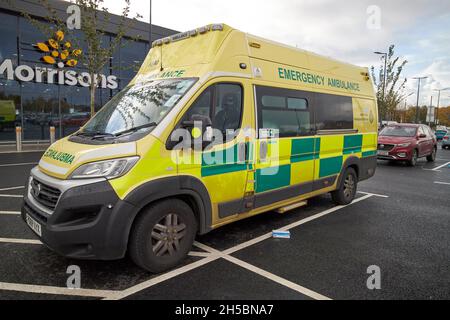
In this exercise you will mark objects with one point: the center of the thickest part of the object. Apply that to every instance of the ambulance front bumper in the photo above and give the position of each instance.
(86, 220)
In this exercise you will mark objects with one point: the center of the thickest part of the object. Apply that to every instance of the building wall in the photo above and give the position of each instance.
(39, 105)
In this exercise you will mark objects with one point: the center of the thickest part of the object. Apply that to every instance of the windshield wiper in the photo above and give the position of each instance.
(148, 125)
(94, 134)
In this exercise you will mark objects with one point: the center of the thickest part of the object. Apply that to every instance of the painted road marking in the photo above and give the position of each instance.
(12, 188)
(10, 212)
(264, 273)
(171, 274)
(444, 165)
(20, 241)
(23, 151)
(199, 254)
(116, 295)
(292, 225)
(18, 164)
(374, 194)
(164, 277)
(439, 182)
(11, 196)
(55, 290)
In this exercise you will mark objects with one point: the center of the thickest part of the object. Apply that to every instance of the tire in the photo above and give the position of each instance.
(151, 246)
(432, 156)
(413, 161)
(347, 189)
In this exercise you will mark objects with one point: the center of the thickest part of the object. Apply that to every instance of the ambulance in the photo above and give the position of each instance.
(217, 126)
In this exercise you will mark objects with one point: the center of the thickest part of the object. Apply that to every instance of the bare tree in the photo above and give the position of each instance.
(389, 99)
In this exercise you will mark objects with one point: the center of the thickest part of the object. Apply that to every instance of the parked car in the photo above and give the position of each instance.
(407, 142)
(446, 141)
(440, 134)
(55, 121)
(77, 120)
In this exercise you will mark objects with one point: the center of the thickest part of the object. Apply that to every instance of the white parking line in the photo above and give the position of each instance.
(374, 194)
(264, 273)
(292, 225)
(439, 182)
(444, 165)
(171, 274)
(12, 188)
(209, 256)
(277, 279)
(18, 164)
(10, 212)
(166, 276)
(199, 254)
(20, 241)
(55, 290)
(11, 196)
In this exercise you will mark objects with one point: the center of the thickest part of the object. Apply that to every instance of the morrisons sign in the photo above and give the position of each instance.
(26, 73)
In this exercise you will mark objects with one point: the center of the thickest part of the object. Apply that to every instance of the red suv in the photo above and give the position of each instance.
(407, 142)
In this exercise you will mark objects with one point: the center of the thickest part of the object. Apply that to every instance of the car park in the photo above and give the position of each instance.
(407, 142)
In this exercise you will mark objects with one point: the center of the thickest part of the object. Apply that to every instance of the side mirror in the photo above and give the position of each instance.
(422, 136)
(200, 127)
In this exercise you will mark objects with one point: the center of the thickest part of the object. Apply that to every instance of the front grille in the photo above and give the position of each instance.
(385, 147)
(35, 214)
(44, 194)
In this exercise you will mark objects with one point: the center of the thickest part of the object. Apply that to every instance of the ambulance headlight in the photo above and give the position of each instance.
(109, 169)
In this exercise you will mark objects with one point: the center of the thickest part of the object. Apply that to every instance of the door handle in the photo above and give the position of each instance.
(242, 152)
(263, 150)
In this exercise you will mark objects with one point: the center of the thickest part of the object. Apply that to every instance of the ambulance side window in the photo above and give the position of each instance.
(202, 105)
(285, 110)
(222, 103)
(333, 112)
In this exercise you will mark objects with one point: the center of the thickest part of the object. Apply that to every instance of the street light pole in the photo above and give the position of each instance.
(150, 28)
(384, 76)
(418, 94)
(406, 101)
(439, 100)
(431, 107)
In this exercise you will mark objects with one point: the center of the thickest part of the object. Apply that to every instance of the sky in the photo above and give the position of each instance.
(346, 30)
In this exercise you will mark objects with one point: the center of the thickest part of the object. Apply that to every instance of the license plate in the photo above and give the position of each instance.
(383, 153)
(34, 225)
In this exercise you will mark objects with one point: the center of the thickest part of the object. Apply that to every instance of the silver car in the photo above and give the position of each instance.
(446, 141)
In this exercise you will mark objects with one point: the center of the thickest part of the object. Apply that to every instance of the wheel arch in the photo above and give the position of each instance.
(186, 188)
(351, 162)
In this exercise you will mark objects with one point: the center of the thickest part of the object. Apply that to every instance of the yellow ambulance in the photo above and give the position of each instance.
(217, 126)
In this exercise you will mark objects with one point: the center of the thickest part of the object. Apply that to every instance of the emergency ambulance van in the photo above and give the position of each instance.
(217, 126)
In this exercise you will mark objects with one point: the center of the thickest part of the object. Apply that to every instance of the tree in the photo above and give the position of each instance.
(390, 98)
(94, 20)
(444, 116)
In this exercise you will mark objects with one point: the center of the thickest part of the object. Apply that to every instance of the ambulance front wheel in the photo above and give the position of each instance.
(163, 235)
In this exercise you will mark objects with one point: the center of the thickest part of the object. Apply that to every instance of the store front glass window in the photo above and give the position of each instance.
(10, 114)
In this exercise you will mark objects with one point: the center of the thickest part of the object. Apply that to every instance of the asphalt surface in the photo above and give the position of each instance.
(400, 224)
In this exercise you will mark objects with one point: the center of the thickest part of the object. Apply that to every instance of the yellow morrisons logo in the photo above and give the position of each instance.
(58, 51)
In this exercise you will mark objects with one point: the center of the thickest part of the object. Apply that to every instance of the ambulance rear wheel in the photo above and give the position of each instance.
(347, 189)
(163, 235)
